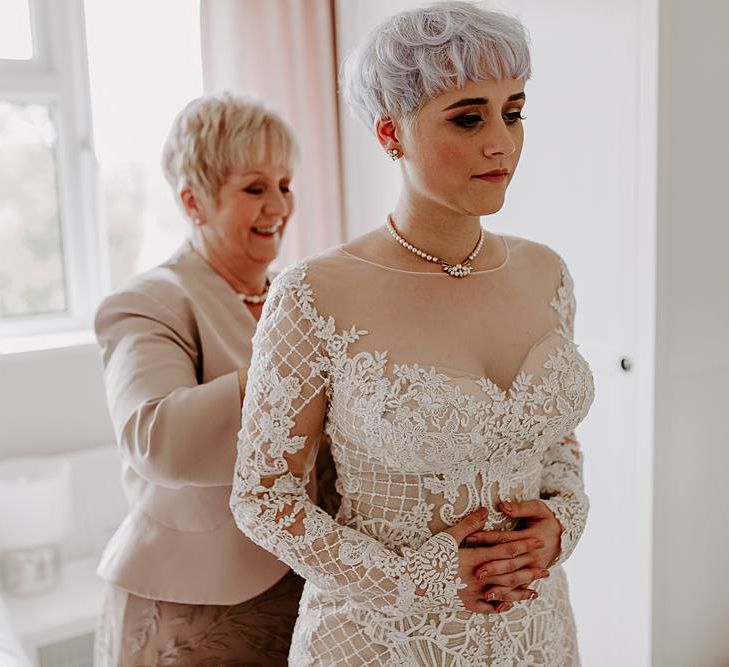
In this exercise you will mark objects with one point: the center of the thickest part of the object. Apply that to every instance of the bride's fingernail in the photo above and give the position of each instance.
(507, 506)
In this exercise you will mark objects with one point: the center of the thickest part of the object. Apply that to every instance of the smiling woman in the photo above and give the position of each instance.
(234, 184)
(176, 345)
(244, 225)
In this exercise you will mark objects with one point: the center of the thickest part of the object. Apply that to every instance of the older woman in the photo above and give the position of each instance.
(439, 358)
(186, 587)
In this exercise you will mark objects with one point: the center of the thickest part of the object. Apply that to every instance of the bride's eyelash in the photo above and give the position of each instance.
(471, 120)
(513, 116)
(467, 120)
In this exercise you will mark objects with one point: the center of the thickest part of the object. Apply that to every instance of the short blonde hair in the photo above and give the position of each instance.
(215, 134)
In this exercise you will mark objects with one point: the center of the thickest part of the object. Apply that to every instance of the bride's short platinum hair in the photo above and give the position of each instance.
(421, 53)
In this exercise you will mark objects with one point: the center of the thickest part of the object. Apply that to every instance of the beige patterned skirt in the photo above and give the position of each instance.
(138, 632)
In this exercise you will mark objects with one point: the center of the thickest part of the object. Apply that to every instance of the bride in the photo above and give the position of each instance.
(439, 359)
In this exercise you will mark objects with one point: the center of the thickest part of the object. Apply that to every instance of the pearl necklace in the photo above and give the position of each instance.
(255, 298)
(460, 270)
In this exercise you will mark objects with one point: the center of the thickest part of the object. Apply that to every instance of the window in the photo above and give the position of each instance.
(48, 268)
(31, 265)
(82, 210)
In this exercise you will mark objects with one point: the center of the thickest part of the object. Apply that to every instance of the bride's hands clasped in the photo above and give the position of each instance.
(496, 575)
(537, 522)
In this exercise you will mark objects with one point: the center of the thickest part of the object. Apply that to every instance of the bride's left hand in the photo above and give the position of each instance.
(539, 522)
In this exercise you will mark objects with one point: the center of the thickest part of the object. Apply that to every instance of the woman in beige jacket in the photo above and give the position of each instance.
(185, 586)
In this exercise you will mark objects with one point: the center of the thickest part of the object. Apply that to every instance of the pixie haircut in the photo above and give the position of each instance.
(216, 134)
(419, 54)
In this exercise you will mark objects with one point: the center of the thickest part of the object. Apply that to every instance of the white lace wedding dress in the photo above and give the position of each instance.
(439, 395)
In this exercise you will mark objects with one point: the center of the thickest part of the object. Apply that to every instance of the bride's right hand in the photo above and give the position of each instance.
(515, 556)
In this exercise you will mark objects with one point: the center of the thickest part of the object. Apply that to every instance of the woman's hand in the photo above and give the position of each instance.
(511, 568)
(539, 524)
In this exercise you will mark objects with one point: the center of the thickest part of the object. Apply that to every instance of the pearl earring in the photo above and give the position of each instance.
(395, 154)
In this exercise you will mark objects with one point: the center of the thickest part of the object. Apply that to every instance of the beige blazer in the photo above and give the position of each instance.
(172, 341)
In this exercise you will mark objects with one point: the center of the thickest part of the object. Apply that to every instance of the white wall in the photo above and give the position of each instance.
(691, 528)
(52, 401)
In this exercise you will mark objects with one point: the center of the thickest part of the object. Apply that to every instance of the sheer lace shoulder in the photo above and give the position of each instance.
(564, 301)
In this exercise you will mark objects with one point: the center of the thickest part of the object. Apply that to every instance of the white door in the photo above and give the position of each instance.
(585, 187)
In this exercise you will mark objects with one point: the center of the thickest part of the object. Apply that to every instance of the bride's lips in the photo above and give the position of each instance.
(494, 176)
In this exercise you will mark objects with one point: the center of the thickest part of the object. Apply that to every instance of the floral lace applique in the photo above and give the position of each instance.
(413, 449)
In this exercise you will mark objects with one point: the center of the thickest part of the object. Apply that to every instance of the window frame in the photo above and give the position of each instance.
(57, 75)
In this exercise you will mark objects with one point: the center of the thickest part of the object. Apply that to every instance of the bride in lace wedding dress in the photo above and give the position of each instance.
(439, 360)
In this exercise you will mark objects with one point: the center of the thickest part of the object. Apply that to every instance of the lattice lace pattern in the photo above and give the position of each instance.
(414, 452)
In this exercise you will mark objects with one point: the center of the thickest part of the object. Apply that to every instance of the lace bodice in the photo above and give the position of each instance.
(390, 365)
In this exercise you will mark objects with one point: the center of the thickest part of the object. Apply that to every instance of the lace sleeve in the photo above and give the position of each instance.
(563, 492)
(562, 487)
(283, 414)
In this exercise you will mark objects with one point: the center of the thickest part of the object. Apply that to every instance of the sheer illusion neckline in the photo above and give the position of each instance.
(442, 274)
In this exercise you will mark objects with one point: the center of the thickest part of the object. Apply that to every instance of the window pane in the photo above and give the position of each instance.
(31, 260)
(16, 40)
(133, 100)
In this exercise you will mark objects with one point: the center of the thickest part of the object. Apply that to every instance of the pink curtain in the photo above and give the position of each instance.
(283, 51)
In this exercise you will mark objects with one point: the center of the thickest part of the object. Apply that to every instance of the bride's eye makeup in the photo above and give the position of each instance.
(467, 120)
(475, 118)
(472, 119)
(512, 117)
